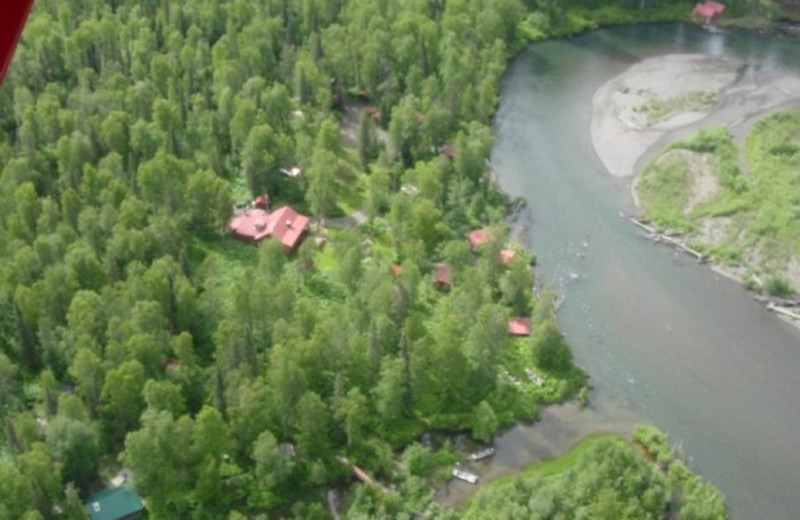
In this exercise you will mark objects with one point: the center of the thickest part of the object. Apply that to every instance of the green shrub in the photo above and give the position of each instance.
(778, 286)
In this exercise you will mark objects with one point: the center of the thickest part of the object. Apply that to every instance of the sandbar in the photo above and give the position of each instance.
(625, 132)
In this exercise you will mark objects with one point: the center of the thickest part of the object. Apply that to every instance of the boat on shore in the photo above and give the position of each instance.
(483, 454)
(466, 476)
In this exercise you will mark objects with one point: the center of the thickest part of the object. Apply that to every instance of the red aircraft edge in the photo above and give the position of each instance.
(12, 19)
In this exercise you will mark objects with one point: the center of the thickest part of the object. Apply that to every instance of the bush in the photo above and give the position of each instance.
(778, 286)
(550, 351)
(707, 140)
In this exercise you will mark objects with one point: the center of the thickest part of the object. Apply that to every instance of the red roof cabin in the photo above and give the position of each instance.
(443, 277)
(284, 224)
(506, 255)
(708, 10)
(479, 237)
(519, 326)
(448, 150)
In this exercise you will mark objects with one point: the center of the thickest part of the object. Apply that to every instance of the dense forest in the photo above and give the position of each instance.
(234, 379)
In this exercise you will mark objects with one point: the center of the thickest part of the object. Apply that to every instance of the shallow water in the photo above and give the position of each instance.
(665, 340)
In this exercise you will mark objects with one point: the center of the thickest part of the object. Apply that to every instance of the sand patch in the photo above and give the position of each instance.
(666, 98)
(713, 230)
(623, 126)
(703, 181)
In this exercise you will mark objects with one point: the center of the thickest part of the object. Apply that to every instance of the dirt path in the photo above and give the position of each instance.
(348, 126)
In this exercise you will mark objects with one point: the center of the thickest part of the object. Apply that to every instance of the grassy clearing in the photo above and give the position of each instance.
(660, 109)
(665, 186)
(547, 468)
(763, 206)
(664, 190)
(773, 155)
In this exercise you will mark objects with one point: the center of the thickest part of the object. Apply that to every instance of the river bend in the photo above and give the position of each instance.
(665, 340)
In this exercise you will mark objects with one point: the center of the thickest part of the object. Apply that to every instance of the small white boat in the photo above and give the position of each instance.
(534, 377)
(483, 454)
(466, 476)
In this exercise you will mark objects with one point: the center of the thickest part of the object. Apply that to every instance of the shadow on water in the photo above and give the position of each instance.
(609, 48)
(559, 428)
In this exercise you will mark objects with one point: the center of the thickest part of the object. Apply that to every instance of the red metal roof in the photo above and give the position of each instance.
(506, 255)
(284, 224)
(519, 326)
(12, 19)
(288, 225)
(448, 150)
(252, 224)
(443, 276)
(708, 9)
(479, 237)
(716, 6)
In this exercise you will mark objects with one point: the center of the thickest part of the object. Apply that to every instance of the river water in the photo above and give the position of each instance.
(664, 339)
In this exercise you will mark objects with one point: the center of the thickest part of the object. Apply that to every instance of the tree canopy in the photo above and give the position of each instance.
(229, 377)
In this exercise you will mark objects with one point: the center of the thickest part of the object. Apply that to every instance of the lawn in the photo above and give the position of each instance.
(547, 468)
(761, 204)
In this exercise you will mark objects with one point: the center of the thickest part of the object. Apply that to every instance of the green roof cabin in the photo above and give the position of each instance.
(121, 503)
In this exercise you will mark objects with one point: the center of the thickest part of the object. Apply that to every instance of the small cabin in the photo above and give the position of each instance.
(478, 237)
(519, 326)
(506, 255)
(448, 150)
(443, 277)
(284, 224)
(708, 10)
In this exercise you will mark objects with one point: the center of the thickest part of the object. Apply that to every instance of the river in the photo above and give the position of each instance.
(664, 339)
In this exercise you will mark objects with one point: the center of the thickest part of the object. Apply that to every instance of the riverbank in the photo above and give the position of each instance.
(661, 99)
(578, 483)
(634, 111)
(683, 348)
(558, 428)
(639, 113)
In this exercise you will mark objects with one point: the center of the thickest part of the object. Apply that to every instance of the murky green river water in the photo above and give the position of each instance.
(665, 340)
